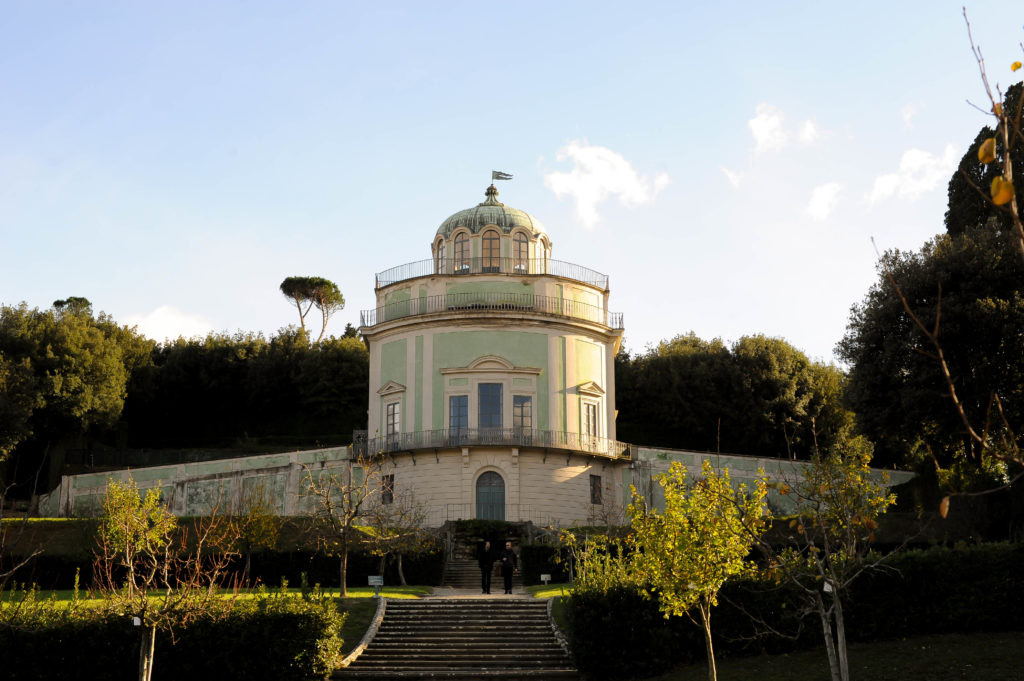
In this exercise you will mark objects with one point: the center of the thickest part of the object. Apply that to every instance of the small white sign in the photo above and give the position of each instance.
(545, 578)
(136, 621)
(375, 580)
(828, 587)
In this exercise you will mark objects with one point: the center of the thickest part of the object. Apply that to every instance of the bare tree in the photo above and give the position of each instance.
(341, 495)
(395, 528)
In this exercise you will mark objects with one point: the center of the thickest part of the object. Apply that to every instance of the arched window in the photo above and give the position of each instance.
(441, 268)
(492, 252)
(520, 253)
(461, 254)
(490, 496)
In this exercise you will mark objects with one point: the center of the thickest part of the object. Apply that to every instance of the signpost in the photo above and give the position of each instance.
(376, 581)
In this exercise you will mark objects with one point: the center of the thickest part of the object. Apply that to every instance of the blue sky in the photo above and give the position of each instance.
(726, 165)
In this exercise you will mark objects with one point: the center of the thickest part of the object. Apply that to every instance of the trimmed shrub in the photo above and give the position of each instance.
(271, 636)
(934, 591)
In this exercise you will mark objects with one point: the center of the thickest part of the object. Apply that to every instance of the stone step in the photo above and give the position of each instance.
(496, 639)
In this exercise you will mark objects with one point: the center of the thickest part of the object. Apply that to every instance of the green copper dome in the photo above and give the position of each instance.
(491, 212)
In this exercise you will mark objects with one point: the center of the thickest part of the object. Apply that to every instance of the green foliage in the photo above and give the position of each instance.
(482, 528)
(969, 204)
(976, 282)
(685, 553)
(208, 392)
(762, 397)
(309, 292)
(273, 635)
(600, 564)
(938, 590)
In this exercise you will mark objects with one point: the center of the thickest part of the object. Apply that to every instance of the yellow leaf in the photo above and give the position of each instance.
(987, 150)
(1001, 190)
(1015, 66)
(784, 490)
(944, 507)
(792, 523)
(997, 109)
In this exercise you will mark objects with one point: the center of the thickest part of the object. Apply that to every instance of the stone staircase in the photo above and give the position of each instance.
(497, 639)
(465, 574)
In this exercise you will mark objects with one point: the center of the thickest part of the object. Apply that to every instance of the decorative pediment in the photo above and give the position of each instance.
(590, 388)
(488, 364)
(391, 388)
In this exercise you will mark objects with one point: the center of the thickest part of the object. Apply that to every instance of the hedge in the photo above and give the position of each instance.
(271, 636)
(940, 590)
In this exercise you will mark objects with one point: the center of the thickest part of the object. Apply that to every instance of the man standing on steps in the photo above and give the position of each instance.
(485, 558)
(509, 565)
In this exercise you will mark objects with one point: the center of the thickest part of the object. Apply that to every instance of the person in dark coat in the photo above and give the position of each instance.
(509, 565)
(485, 558)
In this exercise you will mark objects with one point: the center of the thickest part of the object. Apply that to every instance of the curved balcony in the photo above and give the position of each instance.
(507, 302)
(518, 267)
(491, 437)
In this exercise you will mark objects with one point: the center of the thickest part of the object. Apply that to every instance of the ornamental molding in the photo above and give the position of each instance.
(489, 364)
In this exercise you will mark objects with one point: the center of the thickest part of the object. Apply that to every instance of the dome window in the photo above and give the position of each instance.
(492, 252)
(440, 269)
(520, 253)
(461, 254)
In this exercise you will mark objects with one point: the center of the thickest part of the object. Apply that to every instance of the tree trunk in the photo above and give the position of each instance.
(344, 572)
(705, 616)
(147, 646)
(248, 564)
(401, 575)
(830, 647)
(844, 663)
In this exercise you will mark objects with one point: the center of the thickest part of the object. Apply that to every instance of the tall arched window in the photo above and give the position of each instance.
(520, 253)
(440, 269)
(490, 496)
(461, 254)
(492, 252)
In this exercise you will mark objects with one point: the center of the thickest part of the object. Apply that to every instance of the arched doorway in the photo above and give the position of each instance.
(490, 497)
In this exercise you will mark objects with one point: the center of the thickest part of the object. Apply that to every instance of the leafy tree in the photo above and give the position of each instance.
(73, 305)
(310, 292)
(702, 539)
(19, 398)
(970, 203)
(340, 496)
(836, 503)
(154, 571)
(762, 396)
(970, 288)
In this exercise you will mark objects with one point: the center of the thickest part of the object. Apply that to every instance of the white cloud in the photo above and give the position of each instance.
(767, 128)
(823, 200)
(734, 178)
(599, 174)
(809, 132)
(166, 322)
(907, 114)
(919, 172)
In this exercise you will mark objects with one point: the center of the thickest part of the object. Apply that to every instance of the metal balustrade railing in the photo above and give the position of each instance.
(492, 265)
(521, 302)
(514, 513)
(508, 437)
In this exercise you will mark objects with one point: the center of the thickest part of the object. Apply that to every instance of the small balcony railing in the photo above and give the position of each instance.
(508, 302)
(511, 266)
(505, 437)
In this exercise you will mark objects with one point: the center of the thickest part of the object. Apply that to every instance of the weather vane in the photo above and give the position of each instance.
(498, 175)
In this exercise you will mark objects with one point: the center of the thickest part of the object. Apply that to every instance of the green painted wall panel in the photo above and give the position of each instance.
(561, 396)
(589, 364)
(418, 417)
(521, 348)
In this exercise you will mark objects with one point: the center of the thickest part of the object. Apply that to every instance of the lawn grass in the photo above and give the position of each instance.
(979, 657)
(549, 590)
